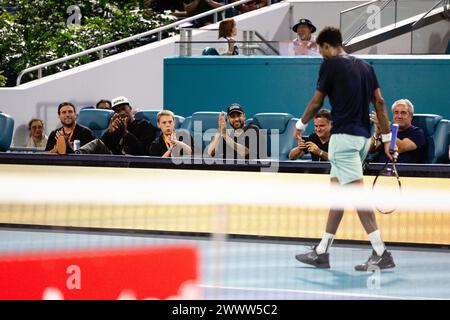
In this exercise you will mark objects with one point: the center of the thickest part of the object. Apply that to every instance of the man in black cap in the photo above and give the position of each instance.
(305, 43)
(240, 142)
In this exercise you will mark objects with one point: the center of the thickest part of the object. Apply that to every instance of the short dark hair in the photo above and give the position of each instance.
(330, 35)
(104, 101)
(323, 113)
(63, 104)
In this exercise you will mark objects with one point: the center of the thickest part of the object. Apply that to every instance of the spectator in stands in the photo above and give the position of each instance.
(317, 143)
(125, 134)
(410, 139)
(228, 33)
(241, 142)
(194, 7)
(250, 6)
(305, 43)
(160, 6)
(167, 144)
(61, 140)
(38, 139)
(104, 104)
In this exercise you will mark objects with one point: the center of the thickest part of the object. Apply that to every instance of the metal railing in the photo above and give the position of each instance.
(446, 11)
(100, 49)
(363, 25)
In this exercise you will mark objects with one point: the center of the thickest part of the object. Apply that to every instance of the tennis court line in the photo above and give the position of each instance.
(325, 293)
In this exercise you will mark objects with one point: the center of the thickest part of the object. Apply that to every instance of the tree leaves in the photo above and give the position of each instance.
(36, 31)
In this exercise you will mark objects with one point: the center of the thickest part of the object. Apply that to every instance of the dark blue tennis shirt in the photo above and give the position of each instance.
(349, 83)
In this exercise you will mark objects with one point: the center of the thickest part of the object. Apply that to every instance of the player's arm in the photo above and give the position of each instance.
(311, 109)
(383, 119)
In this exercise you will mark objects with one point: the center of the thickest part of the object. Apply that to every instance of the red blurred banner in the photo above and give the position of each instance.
(127, 273)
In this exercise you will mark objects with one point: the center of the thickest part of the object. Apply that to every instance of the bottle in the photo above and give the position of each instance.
(76, 145)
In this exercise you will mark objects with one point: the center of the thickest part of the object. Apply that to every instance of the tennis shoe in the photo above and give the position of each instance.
(321, 261)
(385, 261)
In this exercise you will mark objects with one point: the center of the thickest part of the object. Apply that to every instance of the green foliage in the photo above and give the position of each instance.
(2, 79)
(39, 32)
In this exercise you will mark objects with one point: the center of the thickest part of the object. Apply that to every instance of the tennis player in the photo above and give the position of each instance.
(351, 85)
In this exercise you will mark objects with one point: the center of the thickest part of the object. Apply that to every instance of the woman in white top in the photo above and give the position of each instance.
(38, 139)
(228, 32)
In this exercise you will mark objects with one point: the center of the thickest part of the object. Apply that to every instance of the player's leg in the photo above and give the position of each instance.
(380, 258)
(319, 256)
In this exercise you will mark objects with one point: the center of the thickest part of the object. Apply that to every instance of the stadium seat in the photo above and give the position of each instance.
(95, 119)
(209, 51)
(201, 122)
(280, 122)
(152, 117)
(6, 131)
(428, 123)
(442, 142)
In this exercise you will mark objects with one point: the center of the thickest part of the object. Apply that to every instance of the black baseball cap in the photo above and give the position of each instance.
(304, 21)
(235, 107)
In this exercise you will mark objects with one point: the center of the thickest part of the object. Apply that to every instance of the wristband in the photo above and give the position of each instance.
(386, 137)
(300, 125)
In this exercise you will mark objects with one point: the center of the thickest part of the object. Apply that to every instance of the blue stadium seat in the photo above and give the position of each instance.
(442, 142)
(6, 131)
(152, 117)
(209, 51)
(280, 122)
(428, 123)
(186, 123)
(149, 115)
(95, 119)
(201, 122)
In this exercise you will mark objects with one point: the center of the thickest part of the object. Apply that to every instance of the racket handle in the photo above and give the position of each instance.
(393, 138)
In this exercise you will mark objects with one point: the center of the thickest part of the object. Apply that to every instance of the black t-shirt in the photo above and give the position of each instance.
(249, 138)
(322, 146)
(349, 83)
(81, 133)
(416, 135)
(137, 142)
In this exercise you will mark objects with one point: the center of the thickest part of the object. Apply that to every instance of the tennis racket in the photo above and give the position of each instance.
(387, 181)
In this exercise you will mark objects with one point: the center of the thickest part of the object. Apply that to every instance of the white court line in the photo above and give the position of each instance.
(325, 293)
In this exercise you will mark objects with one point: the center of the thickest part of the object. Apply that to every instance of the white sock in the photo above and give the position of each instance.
(377, 243)
(325, 243)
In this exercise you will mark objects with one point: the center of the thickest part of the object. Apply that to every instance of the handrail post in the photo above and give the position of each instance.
(39, 73)
(245, 34)
(251, 39)
(100, 54)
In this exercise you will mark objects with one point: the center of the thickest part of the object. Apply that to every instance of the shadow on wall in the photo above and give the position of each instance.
(438, 45)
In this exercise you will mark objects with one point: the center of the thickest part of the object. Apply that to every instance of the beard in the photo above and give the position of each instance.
(68, 122)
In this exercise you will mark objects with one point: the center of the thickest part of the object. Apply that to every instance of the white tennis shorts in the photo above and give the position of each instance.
(346, 154)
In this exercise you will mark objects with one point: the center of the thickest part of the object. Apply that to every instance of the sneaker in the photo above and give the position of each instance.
(321, 261)
(385, 261)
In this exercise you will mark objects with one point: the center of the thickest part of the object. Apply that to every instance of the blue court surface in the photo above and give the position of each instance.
(251, 269)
